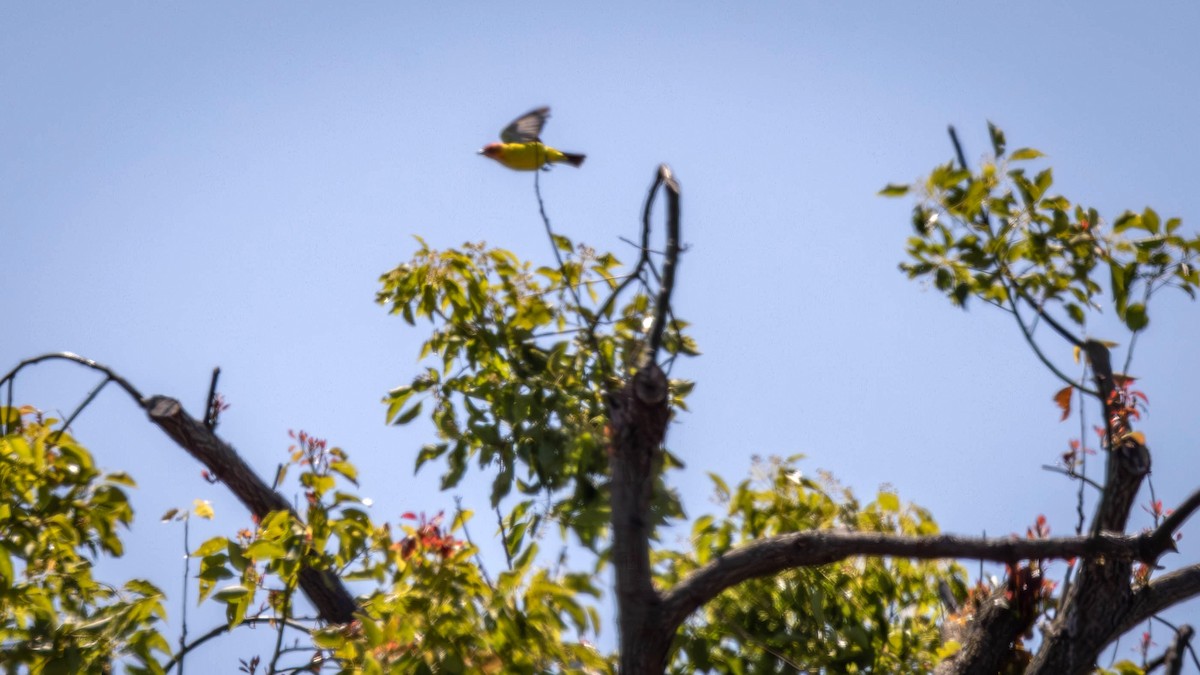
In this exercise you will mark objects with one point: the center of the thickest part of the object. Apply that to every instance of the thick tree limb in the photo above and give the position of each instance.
(820, 547)
(987, 638)
(323, 588)
(638, 419)
(1166, 591)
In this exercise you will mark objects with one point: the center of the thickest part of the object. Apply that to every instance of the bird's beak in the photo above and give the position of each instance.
(479, 151)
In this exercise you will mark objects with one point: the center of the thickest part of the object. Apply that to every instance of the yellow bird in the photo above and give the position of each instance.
(521, 147)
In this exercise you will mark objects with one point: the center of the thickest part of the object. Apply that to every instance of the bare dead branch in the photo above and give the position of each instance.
(323, 587)
(662, 309)
(68, 356)
(643, 255)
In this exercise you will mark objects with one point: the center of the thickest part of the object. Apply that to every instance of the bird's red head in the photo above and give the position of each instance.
(492, 150)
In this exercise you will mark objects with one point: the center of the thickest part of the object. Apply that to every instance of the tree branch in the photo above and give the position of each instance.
(1163, 536)
(323, 587)
(1172, 659)
(224, 628)
(820, 547)
(75, 358)
(643, 255)
(1166, 591)
(662, 308)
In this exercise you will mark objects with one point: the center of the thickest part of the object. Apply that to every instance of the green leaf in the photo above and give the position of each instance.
(231, 593)
(6, 572)
(1135, 317)
(563, 243)
(721, 487)
(346, 469)
(889, 502)
(1151, 221)
(211, 546)
(410, 415)
(1025, 154)
(894, 190)
(998, 141)
(329, 638)
(263, 550)
(121, 478)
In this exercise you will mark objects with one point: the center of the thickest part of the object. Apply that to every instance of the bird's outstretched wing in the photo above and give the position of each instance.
(526, 128)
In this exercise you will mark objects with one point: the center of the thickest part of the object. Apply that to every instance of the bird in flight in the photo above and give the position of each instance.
(521, 146)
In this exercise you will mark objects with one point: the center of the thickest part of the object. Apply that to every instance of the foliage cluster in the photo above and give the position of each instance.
(57, 513)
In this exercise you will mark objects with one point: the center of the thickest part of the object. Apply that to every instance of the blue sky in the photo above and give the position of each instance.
(191, 185)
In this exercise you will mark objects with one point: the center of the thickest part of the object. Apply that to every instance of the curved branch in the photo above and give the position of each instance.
(224, 628)
(1037, 350)
(69, 356)
(1166, 591)
(820, 547)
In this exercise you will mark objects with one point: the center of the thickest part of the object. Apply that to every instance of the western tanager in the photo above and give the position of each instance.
(521, 147)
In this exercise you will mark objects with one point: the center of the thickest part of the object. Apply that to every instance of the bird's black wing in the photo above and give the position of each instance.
(527, 127)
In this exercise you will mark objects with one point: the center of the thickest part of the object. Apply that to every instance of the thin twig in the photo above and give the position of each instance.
(1037, 350)
(458, 511)
(1073, 474)
(287, 596)
(537, 190)
(187, 571)
(1082, 453)
(78, 409)
(224, 628)
(643, 257)
(504, 538)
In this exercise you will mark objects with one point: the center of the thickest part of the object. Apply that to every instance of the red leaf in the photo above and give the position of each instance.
(1063, 400)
